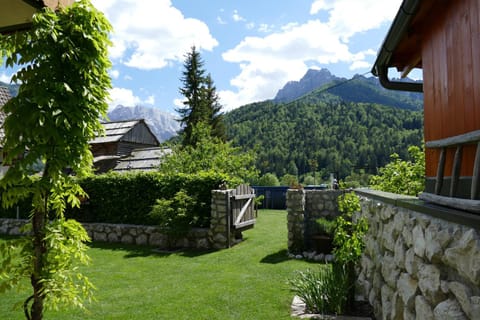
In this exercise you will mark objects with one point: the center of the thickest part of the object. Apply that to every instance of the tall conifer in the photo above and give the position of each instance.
(201, 105)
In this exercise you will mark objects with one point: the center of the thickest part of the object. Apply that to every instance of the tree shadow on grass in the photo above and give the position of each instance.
(277, 257)
(138, 251)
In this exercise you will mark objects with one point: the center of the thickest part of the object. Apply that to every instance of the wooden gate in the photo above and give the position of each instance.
(242, 208)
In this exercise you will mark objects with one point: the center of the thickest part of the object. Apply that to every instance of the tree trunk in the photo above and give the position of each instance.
(38, 224)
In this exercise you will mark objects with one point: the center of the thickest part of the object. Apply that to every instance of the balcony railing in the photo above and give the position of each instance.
(452, 200)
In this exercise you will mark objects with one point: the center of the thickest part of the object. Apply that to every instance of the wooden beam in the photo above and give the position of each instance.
(242, 212)
(411, 65)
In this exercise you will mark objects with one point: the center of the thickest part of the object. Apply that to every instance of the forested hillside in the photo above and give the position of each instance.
(342, 137)
(357, 89)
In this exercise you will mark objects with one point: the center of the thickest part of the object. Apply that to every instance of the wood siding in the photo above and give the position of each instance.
(141, 134)
(451, 73)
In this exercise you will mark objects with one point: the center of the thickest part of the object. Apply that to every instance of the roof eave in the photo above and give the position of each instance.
(395, 34)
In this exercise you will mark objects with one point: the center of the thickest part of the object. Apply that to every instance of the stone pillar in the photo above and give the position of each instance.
(220, 232)
(319, 204)
(295, 220)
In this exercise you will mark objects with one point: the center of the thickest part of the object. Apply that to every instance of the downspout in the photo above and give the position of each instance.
(382, 73)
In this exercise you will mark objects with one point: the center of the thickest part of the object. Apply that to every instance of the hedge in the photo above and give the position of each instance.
(128, 198)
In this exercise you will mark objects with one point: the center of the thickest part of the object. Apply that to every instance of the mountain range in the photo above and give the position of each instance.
(163, 124)
(357, 89)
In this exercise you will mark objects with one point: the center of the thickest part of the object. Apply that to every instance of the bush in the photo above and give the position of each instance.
(323, 291)
(128, 198)
(175, 216)
(348, 236)
(268, 179)
(402, 176)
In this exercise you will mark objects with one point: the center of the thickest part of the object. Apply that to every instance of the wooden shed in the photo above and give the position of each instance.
(119, 140)
(443, 39)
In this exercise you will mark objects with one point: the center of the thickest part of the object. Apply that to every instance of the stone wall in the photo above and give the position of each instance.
(416, 265)
(304, 207)
(124, 233)
(216, 237)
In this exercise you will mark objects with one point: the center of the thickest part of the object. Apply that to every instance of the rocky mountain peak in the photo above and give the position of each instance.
(312, 80)
(162, 124)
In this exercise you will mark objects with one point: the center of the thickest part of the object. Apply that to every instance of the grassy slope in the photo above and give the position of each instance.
(247, 281)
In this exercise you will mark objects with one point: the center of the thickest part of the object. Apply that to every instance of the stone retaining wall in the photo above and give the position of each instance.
(416, 266)
(124, 233)
(217, 236)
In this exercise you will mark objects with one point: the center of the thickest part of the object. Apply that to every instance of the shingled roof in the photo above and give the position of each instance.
(125, 130)
(4, 97)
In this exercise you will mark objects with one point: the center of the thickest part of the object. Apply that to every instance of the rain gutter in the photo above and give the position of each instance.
(397, 31)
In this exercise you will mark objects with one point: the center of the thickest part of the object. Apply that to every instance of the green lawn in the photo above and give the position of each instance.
(247, 281)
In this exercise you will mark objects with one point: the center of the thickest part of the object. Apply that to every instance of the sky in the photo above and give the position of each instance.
(250, 48)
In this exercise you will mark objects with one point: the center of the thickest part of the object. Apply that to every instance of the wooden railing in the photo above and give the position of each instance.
(457, 142)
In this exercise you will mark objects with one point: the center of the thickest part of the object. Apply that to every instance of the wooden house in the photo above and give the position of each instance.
(17, 14)
(442, 38)
(119, 140)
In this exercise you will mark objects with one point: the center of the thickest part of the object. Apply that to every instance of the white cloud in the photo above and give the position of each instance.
(267, 63)
(126, 98)
(265, 28)
(114, 73)
(5, 77)
(250, 25)
(150, 100)
(348, 17)
(151, 34)
(236, 17)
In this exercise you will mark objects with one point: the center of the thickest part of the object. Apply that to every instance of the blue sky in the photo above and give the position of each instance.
(251, 48)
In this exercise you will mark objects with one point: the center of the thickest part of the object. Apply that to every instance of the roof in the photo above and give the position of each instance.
(142, 159)
(4, 97)
(401, 47)
(117, 130)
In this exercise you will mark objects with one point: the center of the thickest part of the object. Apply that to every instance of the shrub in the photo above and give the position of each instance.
(323, 291)
(348, 237)
(402, 176)
(128, 198)
(268, 179)
(175, 216)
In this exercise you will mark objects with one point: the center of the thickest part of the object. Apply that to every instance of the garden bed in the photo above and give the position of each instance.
(360, 311)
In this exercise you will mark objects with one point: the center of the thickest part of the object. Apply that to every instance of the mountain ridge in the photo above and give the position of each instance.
(163, 124)
(356, 89)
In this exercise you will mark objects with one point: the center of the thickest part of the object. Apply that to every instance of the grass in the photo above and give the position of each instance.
(248, 281)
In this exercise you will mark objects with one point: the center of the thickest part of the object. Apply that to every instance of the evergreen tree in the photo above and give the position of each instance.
(215, 115)
(201, 104)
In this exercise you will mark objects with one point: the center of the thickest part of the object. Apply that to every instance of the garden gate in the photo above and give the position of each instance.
(242, 208)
